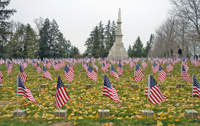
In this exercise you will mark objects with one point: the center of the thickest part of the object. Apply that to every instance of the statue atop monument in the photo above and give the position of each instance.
(119, 15)
(118, 50)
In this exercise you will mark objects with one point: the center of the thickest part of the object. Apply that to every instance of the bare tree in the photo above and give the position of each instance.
(39, 24)
(188, 10)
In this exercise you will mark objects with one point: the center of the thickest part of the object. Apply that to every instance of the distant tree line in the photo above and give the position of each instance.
(18, 40)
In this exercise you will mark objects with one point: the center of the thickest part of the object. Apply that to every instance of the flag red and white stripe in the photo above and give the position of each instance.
(161, 74)
(138, 75)
(110, 91)
(22, 90)
(22, 74)
(153, 91)
(62, 96)
(69, 75)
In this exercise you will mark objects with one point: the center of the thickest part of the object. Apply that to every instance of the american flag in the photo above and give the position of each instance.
(161, 74)
(22, 74)
(48, 64)
(120, 69)
(113, 73)
(39, 69)
(153, 91)
(103, 68)
(196, 87)
(24, 64)
(131, 64)
(110, 91)
(169, 67)
(34, 63)
(154, 67)
(46, 73)
(1, 77)
(56, 66)
(69, 74)
(70, 67)
(185, 75)
(144, 64)
(9, 68)
(22, 90)
(138, 75)
(61, 94)
(91, 73)
(95, 66)
(107, 64)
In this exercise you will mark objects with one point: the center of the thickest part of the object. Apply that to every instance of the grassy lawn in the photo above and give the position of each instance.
(82, 108)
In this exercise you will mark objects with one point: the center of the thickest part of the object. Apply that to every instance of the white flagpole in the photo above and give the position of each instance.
(192, 97)
(17, 96)
(148, 93)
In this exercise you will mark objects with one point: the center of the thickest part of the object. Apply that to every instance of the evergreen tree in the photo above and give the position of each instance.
(149, 44)
(23, 44)
(129, 51)
(137, 50)
(4, 15)
(74, 51)
(44, 41)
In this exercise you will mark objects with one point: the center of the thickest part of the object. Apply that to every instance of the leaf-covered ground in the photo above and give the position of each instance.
(82, 108)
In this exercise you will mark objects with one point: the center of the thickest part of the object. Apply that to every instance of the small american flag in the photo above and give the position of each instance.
(138, 75)
(48, 64)
(154, 67)
(46, 73)
(120, 69)
(9, 68)
(196, 87)
(185, 75)
(69, 74)
(103, 68)
(61, 94)
(91, 73)
(169, 67)
(39, 69)
(153, 91)
(56, 66)
(95, 66)
(1, 77)
(161, 74)
(144, 64)
(22, 90)
(70, 67)
(113, 73)
(110, 91)
(22, 74)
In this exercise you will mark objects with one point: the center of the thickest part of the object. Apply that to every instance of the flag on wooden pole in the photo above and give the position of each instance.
(196, 87)
(61, 94)
(110, 91)
(22, 90)
(153, 91)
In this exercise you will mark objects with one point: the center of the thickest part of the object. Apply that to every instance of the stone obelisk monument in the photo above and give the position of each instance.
(118, 50)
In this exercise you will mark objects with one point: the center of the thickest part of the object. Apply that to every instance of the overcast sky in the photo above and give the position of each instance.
(77, 18)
